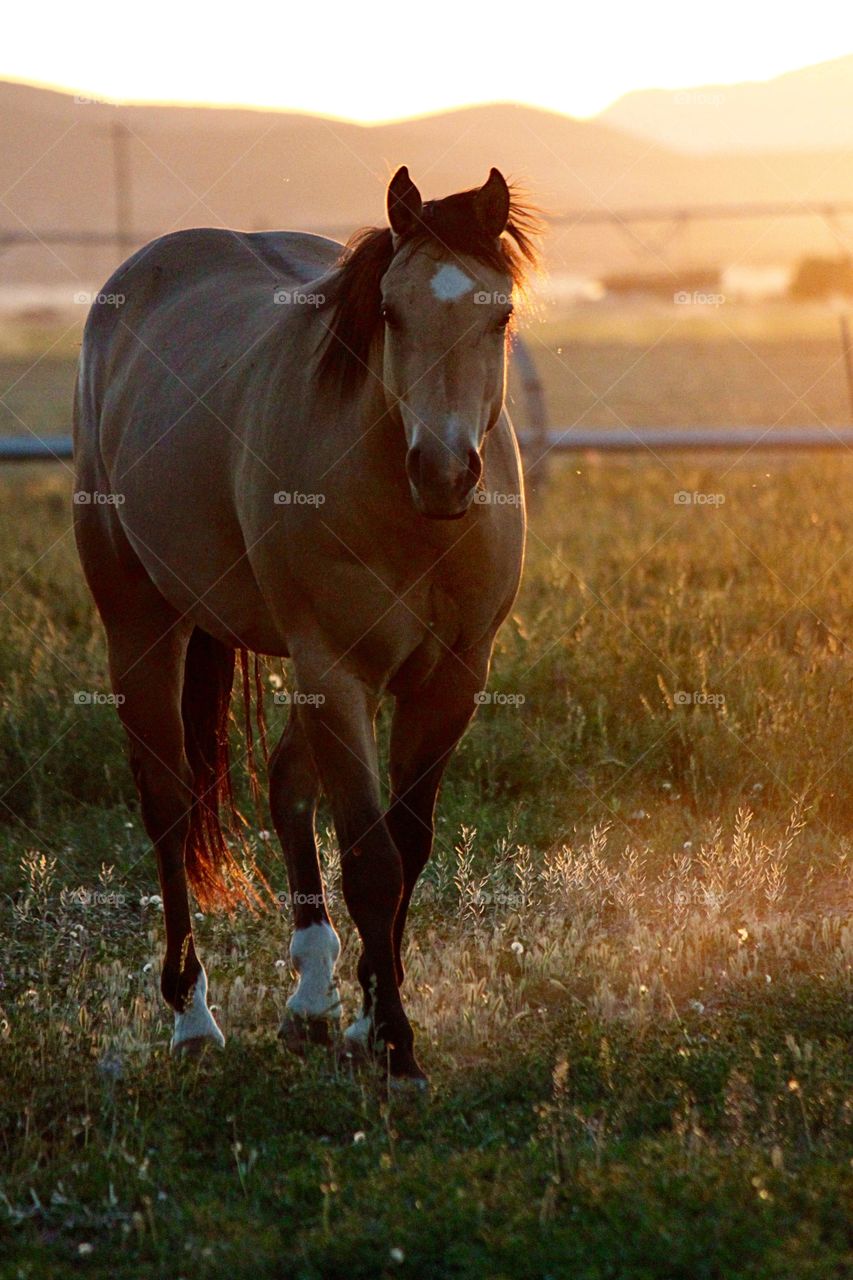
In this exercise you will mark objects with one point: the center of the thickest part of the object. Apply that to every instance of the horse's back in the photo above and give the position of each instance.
(176, 357)
(201, 291)
(182, 310)
(175, 261)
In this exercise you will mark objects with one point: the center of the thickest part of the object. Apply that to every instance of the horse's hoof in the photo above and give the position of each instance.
(196, 1046)
(297, 1032)
(359, 1044)
(195, 1026)
(357, 1040)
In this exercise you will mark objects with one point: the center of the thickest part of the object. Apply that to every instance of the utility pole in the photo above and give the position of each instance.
(121, 183)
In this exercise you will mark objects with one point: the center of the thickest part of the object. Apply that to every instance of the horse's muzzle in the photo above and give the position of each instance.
(442, 482)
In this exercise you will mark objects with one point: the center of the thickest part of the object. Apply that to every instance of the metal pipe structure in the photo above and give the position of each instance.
(826, 209)
(536, 443)
(692, 439)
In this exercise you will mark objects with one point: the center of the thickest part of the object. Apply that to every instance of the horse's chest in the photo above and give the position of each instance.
(396, 632)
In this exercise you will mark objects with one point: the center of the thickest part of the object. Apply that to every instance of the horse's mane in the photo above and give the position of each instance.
(351, 310)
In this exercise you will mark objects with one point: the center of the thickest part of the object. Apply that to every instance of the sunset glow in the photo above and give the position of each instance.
(387, 61)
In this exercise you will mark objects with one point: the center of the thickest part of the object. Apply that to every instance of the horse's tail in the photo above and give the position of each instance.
(217, 878)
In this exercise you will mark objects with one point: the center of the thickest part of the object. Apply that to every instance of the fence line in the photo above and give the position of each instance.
(827, 210)
(536, 444)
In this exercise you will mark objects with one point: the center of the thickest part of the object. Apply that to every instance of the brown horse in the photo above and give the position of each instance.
(296, 449)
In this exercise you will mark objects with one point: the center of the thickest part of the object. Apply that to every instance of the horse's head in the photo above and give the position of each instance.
(445, 314)
(424, 304)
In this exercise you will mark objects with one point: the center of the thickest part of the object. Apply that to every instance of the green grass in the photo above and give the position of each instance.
(628, 964)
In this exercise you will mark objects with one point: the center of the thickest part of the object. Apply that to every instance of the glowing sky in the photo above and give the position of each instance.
(381, 60)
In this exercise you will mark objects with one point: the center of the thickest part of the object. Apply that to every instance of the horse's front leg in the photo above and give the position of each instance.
(426, 727)
(337, 713)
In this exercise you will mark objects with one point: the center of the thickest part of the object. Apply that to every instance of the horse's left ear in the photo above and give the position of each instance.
(491, 204)
(403, 203)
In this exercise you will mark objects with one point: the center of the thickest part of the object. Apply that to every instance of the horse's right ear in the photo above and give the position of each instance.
(403, 202)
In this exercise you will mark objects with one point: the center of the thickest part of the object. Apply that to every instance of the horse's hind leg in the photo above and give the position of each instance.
(147, 652)
(313, 1010)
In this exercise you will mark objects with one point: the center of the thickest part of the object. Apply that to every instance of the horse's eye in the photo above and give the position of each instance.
(387, 315)
(504, 320)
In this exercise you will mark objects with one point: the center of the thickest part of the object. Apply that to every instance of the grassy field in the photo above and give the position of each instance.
(641, 364)
(628, 964)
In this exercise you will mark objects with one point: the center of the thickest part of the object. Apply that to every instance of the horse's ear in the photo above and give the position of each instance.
(403, 202)
(491, 204)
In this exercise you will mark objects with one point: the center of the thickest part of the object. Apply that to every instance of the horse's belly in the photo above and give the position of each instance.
(212, 584)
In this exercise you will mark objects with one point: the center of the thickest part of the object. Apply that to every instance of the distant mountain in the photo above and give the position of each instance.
(192, 166)
(809, 109)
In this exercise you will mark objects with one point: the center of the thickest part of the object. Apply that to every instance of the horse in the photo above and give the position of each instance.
(287, 446)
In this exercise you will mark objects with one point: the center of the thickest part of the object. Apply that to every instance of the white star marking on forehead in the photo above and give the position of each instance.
(449, 282)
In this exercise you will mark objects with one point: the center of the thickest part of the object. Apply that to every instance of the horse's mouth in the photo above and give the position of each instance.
(433, 513)
(455, 515)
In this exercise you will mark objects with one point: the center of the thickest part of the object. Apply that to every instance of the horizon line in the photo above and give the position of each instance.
(76, 91)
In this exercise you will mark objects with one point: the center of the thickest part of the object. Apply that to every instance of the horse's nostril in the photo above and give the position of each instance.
(442, 474)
